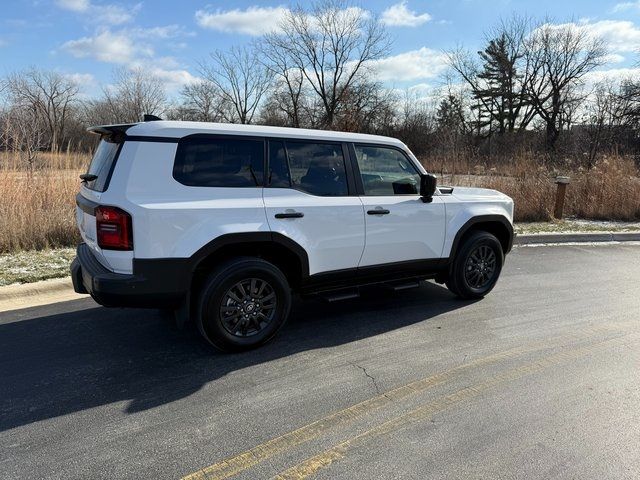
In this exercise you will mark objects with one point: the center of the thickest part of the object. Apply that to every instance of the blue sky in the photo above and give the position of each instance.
(87, 39)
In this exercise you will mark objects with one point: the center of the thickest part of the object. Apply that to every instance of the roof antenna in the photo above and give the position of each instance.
(150, 118)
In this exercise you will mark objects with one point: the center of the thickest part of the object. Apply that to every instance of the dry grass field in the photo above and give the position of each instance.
(37, 207)
(610, 191)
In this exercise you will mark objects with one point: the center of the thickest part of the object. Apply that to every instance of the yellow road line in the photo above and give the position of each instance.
(244, 461)
(323, 460)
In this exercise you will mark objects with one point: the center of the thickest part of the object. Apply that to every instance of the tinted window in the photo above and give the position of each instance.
(102, 164)
(278, 168)
(219, 162)
(386, 171)
(317, 168)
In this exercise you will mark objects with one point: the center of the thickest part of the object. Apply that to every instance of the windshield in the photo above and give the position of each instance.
(102, 164)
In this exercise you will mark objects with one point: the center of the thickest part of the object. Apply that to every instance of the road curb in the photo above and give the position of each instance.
(14, 297)
(538, 238)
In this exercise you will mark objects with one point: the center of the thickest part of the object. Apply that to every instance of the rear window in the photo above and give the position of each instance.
(102, 164)
(219, 162)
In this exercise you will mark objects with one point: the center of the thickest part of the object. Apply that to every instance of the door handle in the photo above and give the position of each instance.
(290, 215)
(378, 211)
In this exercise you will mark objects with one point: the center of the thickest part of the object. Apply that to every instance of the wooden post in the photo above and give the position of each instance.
(562, 183)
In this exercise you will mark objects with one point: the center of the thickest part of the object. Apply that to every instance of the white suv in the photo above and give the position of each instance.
(221, 223)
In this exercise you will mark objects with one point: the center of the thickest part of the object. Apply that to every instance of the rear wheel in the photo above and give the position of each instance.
(476, 266)
(243, 304)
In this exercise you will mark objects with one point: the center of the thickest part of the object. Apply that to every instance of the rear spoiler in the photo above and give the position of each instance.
(119, 128)
(109, 130)
(118, 132)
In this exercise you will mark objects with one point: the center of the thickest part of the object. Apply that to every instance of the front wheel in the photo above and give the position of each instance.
(243, 304)
(476, 266)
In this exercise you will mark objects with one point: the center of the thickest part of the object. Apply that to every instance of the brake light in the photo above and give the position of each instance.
(113, 226)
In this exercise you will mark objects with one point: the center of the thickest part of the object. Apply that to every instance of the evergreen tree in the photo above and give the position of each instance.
(498, 93)
(450, 115)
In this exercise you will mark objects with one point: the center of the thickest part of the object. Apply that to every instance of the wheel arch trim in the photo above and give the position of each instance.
(474, 222)
(251, 238)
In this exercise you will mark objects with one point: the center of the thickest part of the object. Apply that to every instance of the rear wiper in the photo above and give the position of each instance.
(88, 177)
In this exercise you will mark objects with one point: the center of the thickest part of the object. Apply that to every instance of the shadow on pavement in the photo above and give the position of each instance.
(59, 364)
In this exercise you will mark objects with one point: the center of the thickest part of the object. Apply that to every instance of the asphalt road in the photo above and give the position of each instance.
(539, 380)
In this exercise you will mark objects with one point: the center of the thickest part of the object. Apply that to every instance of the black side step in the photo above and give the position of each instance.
(337, 295)
(399, 286)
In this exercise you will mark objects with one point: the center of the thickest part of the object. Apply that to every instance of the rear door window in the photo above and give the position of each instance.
(219, 162)
(317, 168)
(102, 164)
(278, 166)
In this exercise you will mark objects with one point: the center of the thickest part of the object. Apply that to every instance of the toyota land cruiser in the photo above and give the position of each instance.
(222, 223)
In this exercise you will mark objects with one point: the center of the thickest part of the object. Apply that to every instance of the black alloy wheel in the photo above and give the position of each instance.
(476, 265)
(480, 267)
(248, 307)
(243, 303)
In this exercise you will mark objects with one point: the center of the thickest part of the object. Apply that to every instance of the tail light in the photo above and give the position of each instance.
(113, 226)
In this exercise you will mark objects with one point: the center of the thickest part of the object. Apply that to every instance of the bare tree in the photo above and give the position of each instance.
(558, 57)
(599, 113)
(628, 98)
(201, 102)
(366, 107)
(331, 46)
(49, 96)
(415, 122)
(240, 80)
(290, 81)
(132, 94)
(26, 133)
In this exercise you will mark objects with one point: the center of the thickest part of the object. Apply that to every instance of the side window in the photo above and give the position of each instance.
(278, 168)
(386, 171)
(219, 162)
(318, 168)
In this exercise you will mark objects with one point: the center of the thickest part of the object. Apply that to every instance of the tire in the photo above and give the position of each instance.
(231, 321)
(476, 266)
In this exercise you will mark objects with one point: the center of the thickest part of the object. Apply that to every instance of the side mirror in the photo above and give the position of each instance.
(428, 185)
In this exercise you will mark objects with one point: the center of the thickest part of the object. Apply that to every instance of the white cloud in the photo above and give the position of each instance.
(619, 35)
(420, 64)
(399, 15)
(74, 5)
(614, 58)
(108, 47)
(102, 14)
(174, 79)
(252, 21)
(89, 86)
(81, 79)
(621, 7)
(615, 75)
(256, 21)
(164, 32)
(123, 46)
(132, 49)
(114, 14)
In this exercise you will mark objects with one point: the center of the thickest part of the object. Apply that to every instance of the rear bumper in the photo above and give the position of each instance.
(154, 284)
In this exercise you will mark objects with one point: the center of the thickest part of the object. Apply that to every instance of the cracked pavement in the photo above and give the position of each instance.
(538, 380)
